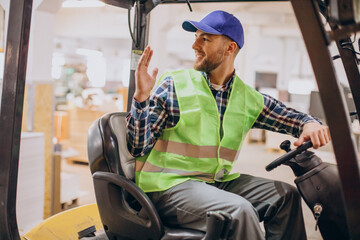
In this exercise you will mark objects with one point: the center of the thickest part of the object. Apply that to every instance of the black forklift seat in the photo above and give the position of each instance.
(125, 210)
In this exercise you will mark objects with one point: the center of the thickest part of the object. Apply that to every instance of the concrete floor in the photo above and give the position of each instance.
(252, 160)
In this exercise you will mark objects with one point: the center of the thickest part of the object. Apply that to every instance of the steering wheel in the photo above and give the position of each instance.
(289, 155)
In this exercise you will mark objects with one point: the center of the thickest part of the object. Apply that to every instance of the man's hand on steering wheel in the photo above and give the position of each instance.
(317, 133)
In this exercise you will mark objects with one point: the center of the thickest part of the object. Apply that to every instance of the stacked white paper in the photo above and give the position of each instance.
(31, 181)
(70, 187)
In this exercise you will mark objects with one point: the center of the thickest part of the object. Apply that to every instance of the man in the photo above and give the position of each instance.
(186, 134)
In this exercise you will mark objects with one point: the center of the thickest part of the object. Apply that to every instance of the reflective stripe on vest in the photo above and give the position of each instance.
(193, 149)
(148, 167)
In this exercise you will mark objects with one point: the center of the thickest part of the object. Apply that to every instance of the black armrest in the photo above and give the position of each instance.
(118, 218)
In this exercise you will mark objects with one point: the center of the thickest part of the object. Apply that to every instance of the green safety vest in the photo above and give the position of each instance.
(194, 149)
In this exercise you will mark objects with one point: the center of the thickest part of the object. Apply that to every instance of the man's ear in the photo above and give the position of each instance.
(231, 48)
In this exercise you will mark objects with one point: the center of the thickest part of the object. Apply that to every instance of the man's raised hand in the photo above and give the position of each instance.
(143, 80)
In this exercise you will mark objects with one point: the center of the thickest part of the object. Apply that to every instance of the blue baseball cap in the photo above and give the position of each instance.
(218, 22)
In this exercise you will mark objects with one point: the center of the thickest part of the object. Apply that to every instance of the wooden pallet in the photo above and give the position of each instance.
(68, 205)
(275, 150)
(77, 160)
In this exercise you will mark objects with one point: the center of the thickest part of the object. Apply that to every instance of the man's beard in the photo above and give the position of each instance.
(208, 64)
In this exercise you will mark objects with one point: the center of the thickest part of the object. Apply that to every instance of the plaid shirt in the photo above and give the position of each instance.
(147, 119)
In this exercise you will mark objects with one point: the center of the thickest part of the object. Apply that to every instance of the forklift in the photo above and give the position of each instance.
(342, 18)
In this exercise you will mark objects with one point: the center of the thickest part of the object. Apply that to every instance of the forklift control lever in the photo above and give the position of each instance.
(217, 225)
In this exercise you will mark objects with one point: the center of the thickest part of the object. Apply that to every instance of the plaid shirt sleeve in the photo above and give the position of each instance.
(276, 117)
(146, 120)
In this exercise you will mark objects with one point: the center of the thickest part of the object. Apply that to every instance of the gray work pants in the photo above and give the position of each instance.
(248, 199)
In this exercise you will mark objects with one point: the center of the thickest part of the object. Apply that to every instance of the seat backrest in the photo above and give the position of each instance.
(107, 148)
(125, 210)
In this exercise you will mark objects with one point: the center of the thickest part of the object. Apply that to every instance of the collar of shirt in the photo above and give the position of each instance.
(225, 87)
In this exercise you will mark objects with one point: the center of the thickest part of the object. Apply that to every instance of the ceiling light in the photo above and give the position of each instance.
(82, 3)
(88, 52)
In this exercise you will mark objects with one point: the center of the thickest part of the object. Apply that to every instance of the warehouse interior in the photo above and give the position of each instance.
(78, 69)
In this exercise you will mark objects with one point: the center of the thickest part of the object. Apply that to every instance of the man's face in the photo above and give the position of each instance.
(209, 51)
